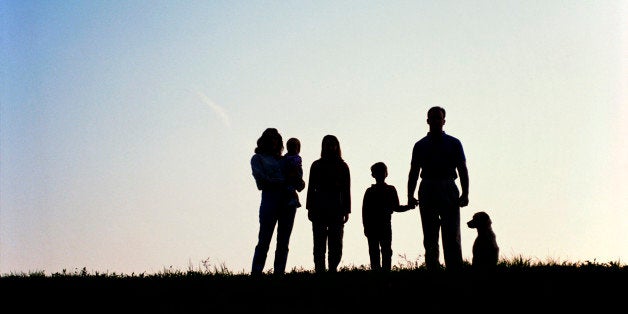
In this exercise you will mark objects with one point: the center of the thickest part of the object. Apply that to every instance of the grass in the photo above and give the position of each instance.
(206, 269)
(524, 284)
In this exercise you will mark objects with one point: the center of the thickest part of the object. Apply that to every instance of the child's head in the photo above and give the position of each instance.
(379, 171)
(293, 145)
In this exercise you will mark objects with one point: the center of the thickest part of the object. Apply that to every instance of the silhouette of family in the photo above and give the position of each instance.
(437, 158)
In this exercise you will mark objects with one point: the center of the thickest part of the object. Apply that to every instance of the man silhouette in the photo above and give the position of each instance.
(439, 159)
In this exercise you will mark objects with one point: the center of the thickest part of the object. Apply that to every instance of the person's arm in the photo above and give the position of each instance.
(404, 208)
(300, 166)
(413, 177)
(310, 200)
(257, 167)
(347, 192)
(463, 173)
(365, 217)
(393, 199)
(300, 181)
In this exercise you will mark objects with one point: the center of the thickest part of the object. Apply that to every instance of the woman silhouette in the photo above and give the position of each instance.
(328, 203)
(274, 209)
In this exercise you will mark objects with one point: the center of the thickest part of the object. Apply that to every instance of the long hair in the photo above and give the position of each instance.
(265, 143)
(330, 147)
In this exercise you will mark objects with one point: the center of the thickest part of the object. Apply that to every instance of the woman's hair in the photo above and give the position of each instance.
(330, 147)
(265, 143)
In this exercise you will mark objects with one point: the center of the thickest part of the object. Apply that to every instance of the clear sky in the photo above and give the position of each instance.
(127, 127)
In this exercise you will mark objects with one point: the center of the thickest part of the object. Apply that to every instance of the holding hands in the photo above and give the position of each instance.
(412, 202)
(403, 208)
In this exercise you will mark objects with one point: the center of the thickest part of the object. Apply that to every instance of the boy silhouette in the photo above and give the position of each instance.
(380, 201)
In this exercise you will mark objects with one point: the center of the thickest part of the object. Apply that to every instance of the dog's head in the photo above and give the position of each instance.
(480, 220)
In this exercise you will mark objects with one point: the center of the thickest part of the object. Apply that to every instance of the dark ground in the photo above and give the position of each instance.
(344, 292)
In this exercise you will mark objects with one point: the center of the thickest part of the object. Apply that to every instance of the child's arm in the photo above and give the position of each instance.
(365, 211)
(403, 208)
(395, 199)
(301, 184)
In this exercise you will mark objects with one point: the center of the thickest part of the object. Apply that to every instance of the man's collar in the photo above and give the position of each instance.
(435, 134)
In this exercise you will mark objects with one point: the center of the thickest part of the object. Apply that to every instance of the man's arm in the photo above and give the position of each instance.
(463, 172)
(413, 177)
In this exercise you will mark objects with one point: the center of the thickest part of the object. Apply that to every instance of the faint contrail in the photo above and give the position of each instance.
(222, 113)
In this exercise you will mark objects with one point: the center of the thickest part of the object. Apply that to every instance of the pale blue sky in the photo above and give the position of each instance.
(127, 126)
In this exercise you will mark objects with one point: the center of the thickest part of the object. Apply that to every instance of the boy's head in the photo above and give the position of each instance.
(379, 171)
(293, 145)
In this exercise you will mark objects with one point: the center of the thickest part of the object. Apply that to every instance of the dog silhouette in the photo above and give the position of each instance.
(485, 249)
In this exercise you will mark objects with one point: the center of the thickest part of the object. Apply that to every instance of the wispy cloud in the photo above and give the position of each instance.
(220, 111)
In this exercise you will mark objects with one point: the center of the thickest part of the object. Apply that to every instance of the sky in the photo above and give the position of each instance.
(127, 127)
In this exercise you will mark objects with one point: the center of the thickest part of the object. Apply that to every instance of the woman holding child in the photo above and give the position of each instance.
(274, 208)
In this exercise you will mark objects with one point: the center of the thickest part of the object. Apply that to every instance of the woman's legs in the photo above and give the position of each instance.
(267, 222)
(284, 230)
(319, 232)
(335, 235)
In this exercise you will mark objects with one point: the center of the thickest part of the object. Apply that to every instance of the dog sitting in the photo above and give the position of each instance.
(485, 249)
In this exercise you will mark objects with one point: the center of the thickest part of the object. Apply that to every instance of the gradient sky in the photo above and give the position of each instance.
(127, 127)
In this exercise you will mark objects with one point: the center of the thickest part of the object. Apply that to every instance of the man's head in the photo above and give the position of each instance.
(436, 119)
